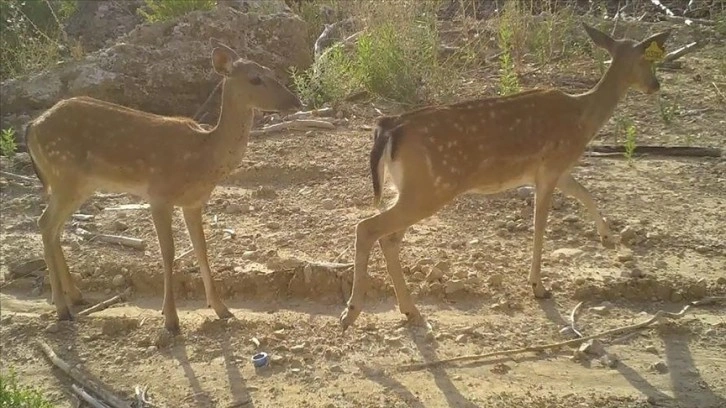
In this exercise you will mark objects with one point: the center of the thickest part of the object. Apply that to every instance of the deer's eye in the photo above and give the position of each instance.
(256, 80)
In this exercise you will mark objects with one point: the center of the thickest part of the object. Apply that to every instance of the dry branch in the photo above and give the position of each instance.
(92, 401)
(723, 98)
(573, 319)
(688, 20)
(674, 55)
(294, 124)
(81, 378)
(106, 303)
(638, 326)
(18, 177)
(131, 242)
(123, 207)
(677, 151)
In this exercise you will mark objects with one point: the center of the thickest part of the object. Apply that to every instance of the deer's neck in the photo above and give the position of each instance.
(232, 132)
(600, 102)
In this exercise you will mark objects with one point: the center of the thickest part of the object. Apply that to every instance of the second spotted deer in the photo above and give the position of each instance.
(490, 145)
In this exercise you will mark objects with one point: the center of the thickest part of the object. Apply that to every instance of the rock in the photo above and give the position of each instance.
(699, 289)
(600, 310)
(278, 263)
(461, 274)
(625, 255)
(453, 286)
(118, 281)
(628, 235)
(651, 349)
(24, 267)
(721, 280)
(571, 218)
(52, 328)
(661, 264)
(462, 338)
(418, 276)
(495, 280)
(444, 266)
(676, 296)
(566, 253)
(298, 348)
(142, 68)
(328, 204)
(609, 360)
(593, 347)
(659, 367)
(525, 192)
(233, 208)
(434, 274)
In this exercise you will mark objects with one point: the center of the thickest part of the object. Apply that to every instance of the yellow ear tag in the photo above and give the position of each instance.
(654, 53)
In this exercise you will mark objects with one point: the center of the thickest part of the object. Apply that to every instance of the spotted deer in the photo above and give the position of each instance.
(490, 145)
(82, 145)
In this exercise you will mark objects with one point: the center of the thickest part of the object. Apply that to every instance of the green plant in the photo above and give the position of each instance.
(630, 143)
(329, 79)
(668, 110)
(14, 395)
(7, 142)
(32, 35)
(164, 10)
(508, 81)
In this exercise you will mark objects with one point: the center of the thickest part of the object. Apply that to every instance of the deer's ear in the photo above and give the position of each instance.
(223, 60)
(600, 39)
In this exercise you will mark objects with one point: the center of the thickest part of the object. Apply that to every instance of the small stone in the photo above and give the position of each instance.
(328, 204)
(566, 253)
(721, 280)
(625, 255)
(453, 286)
(277, 358)
(118, 281)
(609, 360)
(676, 296)
(600, 310)
(393, 340)
(151, 349)
(593, 347)
(52, 328)
(661, 264)
(444, 266)
(571, 218)
(119, 225)
(651, 349)
(462, 338)
(434, 274)
(418, 276)
(699, 289)
(495, 280)
(233, 208)
(525, 192)
(628, 235)
(274, 225)
(435, 287)
(298, 348)
(461, 274)
(659, 367)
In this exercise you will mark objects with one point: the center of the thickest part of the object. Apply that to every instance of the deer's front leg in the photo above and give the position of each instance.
(162, 222)
(193, 219)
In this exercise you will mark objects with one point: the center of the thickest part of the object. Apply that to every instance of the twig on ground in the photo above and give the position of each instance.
(106, 303)
(91, 400)
(124, 207)
(294, 124)
(723, 98)
(688, 20)
(81, 378)
(132, 242)
(674, 55)
(659, 315)
(677, 151)
(573, 319)
(19, 177)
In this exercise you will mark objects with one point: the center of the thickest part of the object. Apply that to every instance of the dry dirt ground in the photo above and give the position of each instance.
(297, 198)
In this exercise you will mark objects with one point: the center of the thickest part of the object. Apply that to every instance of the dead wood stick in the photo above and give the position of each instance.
(19, 177)
(81, 378)
(294, 124)
(674, 55)
(573, 319)
(132, 242)
(87, 397)
(678, 151)
(322, 112)
(688, 20)
(638, 326)
(190, 250)
(123, 207)
(723, 98)
(106, 303)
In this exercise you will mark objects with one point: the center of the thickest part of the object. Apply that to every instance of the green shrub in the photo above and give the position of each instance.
(164, 10)
(32, 35)
(7, 142)
(14, 395)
